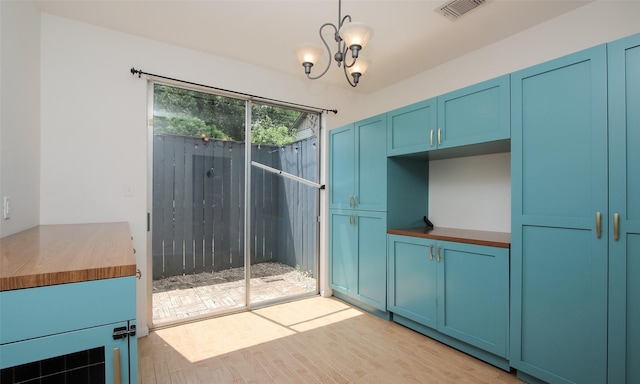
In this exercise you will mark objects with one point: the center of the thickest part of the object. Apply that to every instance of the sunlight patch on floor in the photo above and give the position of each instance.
(210, 338)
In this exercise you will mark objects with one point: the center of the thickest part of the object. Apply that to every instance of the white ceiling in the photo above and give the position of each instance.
(410, 36)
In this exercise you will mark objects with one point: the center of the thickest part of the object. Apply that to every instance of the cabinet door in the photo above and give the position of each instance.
(371, 166)
(412, 279)
(476, 114)
(411, 129)
(624, 184)
(372, 258)
(342, 248)
(99, 361)
(559, 183)
(342, 167)
(473, 295)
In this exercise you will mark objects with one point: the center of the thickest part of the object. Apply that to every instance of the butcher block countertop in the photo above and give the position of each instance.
(493, 239)
(65, 253)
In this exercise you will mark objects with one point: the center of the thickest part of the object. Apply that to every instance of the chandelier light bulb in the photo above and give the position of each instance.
(356, 34)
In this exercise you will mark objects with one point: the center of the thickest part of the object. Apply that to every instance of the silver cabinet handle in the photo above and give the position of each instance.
(439, 136)
(431, 138)
(430, 251)
(439, 258)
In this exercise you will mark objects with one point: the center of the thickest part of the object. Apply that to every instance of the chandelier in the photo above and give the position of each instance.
(350, 36)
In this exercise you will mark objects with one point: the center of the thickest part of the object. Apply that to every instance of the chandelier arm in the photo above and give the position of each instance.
(346, 76)
(328, 50)
(345, 18)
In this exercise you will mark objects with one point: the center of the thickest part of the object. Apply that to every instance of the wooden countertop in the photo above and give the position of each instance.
(493, 239)
(66, 253)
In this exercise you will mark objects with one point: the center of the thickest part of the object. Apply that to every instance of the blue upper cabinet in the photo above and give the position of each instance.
(410, 129)
(476, 114)
(358, 165)
(624, 214)
(559, 209)
(342, 166)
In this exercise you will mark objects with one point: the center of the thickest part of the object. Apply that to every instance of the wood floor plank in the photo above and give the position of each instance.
(315, 341)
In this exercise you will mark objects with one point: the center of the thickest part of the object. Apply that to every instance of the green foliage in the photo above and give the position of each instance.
(186, 112)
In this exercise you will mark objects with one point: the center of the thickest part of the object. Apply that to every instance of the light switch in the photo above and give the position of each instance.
(6, 207)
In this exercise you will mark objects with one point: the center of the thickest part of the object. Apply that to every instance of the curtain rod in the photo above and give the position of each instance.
(139, 72)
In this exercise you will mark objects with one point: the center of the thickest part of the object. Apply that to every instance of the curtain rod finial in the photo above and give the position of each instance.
(134, 71)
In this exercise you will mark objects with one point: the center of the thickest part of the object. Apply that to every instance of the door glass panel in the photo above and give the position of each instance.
(284, 210)
(197, 205)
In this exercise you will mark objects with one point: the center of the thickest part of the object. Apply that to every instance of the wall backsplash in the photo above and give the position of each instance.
(471, 192)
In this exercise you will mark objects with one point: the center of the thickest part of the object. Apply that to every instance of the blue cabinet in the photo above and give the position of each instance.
(52, 321)
(475, 114)
(624, 213)
(357, 266)
(412, 280)
(472, 115)
(358, 165)
(410, 128)
(459, 290)
(358, 220)
(559, 227)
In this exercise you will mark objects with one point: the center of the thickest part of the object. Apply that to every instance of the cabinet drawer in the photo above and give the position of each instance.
(36, 312)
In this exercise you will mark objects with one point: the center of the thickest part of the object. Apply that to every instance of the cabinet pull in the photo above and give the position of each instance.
(431, 138)
(616, 226)
(351, 200)
(430, 251)
(439, 258)
(598, 224)
(355, 219)
(439, 136)
(116, 365)
(355, 200)
(350, 219)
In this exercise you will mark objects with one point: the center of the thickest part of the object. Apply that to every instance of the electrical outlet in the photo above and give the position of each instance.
(129, 190)
(6, 207)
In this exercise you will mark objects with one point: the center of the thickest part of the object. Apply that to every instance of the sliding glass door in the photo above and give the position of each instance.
(216, 219)
(284, 202)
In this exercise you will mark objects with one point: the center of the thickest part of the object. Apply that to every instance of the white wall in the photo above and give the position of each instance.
(20, 114)
(94, 120)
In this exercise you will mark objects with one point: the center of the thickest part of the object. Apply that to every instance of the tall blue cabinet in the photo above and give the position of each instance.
(357, 216)
(559, 195)
(575, 265)
(624, 211)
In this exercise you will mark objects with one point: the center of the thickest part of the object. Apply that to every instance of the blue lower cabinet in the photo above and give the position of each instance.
(456, 293)
(79, 332)
(358, 259)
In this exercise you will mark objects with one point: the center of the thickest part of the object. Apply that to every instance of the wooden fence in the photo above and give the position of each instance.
(198, 206)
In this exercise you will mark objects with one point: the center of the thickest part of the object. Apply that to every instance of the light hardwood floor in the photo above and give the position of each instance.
(316, 340)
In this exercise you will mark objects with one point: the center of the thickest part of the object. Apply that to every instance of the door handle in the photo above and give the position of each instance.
(439, 136)
(431, 138)
(430, 251)
(116, 365)
(616, 226)
(598, 224)
(439, 258)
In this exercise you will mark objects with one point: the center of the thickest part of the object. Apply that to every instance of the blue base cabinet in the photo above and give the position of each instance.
(457, 293)
(48, 322)
(357, 267)
(624, 195)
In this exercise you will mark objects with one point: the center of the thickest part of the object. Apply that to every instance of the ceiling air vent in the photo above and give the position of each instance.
(456, 8)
